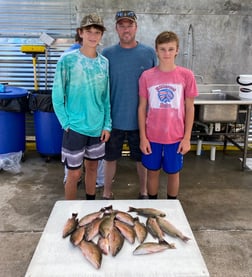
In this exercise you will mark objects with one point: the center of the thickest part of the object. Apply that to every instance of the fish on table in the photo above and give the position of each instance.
(170, 229)
(116, 241)
(103, 243)
(124, 217)
(104, 232)
(70, 225)
(91, 252)
(106, 225)
(92, 229)
(152, 247)
(86, 219)
(147, 212)
(140, 230)
(154, 228)
(77, 235)
(126, 230)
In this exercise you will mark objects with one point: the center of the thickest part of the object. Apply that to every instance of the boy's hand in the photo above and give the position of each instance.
(105, 136)
(145, 146)
(184, 146)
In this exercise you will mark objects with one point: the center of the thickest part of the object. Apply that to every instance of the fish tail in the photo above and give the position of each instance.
(170, 245)
(131, 209)
(110, 207)
(136, 218)
(185, 239)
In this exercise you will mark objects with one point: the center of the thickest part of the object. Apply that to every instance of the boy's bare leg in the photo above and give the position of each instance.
(109, 173)
(173, 184)
(90, 176)
(153, 181)
(73, 177)
(142, 175)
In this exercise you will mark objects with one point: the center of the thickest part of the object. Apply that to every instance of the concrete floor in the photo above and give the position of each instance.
(216, 197)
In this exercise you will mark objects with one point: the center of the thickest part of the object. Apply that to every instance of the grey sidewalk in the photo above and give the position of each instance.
(216, 198)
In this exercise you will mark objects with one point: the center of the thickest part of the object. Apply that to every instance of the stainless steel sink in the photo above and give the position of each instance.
(217, 107)
(217, 96)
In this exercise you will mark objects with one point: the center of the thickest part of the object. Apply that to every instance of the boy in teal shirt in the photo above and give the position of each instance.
(82, 104)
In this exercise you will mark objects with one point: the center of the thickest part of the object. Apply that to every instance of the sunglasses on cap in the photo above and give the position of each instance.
(125, 14)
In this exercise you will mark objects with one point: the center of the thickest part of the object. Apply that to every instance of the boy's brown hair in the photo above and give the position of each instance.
(77, 36)
(166, 36)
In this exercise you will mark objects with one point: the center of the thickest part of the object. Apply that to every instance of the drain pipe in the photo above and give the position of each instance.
(190, 48)
(208, 129)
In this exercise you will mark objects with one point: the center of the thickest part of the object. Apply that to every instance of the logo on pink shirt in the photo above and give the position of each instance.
(165, 93)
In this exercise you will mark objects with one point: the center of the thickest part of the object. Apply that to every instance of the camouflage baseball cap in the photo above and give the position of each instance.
(92, 19)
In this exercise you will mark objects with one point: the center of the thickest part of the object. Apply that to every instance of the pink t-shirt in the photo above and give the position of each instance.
(166, 93)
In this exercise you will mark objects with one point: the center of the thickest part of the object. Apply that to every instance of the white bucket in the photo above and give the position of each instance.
(245, 88)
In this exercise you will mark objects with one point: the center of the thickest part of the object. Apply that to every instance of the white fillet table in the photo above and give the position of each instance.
(55, 256)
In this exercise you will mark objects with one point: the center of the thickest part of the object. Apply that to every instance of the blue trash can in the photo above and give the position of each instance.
(13, 106)
(48, 131)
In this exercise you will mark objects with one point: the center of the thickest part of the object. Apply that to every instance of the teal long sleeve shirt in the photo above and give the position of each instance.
(80, 94)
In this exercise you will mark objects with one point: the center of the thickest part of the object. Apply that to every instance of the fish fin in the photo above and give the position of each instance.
(170, 245)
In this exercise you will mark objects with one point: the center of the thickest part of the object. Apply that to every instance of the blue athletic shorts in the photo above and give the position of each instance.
(163, 156)
(77, 147)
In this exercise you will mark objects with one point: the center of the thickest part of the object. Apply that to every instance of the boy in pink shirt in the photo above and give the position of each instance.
(166, 115)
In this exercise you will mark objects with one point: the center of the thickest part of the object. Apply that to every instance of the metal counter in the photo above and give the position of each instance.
(247, 104)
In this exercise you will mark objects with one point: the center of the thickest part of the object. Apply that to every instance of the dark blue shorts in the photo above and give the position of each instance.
(163, 156)
(113, 148)
(77, 147)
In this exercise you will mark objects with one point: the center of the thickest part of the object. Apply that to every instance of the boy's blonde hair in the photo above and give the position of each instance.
(166, 36)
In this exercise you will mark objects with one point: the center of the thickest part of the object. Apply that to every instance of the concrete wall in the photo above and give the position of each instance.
(218, 46)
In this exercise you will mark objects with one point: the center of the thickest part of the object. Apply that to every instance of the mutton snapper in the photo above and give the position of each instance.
(154, 228)
(153, 247)
(170, 229)
(147, 212)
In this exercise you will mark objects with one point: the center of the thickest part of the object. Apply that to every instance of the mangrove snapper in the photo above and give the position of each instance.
(140, 230)
(91, 252)
(70, 225)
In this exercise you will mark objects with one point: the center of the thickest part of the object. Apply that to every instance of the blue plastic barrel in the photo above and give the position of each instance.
(12, 120)
(48, 132)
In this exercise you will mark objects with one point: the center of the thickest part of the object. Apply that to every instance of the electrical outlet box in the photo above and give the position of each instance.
(48, 40)
(217, 127)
